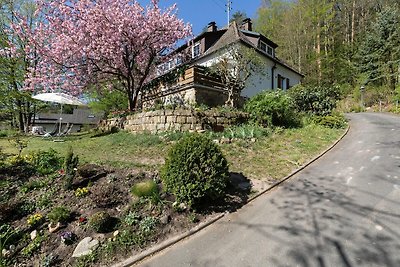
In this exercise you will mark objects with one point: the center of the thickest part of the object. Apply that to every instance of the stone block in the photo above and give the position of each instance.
(169, 112)
(171, 119)
(181, 119)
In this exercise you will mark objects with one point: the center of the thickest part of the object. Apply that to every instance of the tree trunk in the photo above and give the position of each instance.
(353, 21)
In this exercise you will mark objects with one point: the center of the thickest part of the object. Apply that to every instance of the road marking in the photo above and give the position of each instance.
(378, 227)
(349, 179)
(375, 158)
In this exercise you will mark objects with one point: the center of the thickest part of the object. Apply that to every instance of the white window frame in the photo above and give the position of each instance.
(267, 47)
(194, 47)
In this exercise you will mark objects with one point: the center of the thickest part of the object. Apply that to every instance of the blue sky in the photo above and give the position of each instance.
(200, 12)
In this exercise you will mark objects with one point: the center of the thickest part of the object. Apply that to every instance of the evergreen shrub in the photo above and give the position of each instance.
(59, 214)
(272, 108)
(317, 100)
(195, 170)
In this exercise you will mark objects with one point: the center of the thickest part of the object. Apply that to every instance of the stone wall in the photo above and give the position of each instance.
(176, 120)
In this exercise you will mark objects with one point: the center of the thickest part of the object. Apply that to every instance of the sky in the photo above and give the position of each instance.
(201, 12)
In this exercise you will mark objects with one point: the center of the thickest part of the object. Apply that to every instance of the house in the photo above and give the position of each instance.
(49, 122)
(195, 85)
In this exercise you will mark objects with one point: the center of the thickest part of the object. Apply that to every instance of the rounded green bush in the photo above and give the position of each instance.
(272, 108)
(145, 189)
(59, 214)
(195, 170)
(101, 222)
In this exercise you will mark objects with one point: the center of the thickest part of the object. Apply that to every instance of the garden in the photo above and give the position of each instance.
(97, 197)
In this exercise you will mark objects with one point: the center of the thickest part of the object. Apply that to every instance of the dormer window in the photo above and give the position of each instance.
(196, 50)
(266, 48)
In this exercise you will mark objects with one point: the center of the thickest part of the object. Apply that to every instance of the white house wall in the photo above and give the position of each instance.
(259, 81)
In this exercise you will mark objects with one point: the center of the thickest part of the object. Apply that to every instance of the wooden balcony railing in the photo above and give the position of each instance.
(193, 76)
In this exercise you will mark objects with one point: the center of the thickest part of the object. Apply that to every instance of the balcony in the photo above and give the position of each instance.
(195, 77)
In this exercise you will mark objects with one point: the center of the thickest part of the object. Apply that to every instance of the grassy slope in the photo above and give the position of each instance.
(267, 159)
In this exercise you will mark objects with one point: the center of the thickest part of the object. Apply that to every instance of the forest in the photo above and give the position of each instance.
(350, 43)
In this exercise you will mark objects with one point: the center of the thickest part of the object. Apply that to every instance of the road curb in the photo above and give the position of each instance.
(169, 242)
(300, 168)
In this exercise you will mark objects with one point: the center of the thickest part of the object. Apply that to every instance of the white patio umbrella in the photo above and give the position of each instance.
(60, 98)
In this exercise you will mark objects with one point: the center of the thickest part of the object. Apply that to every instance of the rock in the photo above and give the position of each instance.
(54, 228)
(165, 219)
(85, 247)
(253, 140)
(5, 253)
(225, 140)
(182, 206)
(216, 141)
(33, 234)
(116, 233)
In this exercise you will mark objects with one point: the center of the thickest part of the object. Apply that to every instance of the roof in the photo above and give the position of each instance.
(235, 35)
(80, 116)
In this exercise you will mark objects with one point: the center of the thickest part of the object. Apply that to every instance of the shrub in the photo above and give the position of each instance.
(45, 162)
(272, 108)
(59, 214)
(195, 170)
(315, 99)
(145, 189)
(101, 222)
(70, 164)
(335, 121)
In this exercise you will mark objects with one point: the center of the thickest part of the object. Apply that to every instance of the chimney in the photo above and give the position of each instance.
(212, 27)
(247, 25)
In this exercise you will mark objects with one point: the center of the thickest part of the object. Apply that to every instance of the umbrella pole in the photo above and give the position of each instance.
(59, 128)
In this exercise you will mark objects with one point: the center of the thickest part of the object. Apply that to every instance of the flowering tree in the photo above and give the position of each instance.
(85, 43)
(16, 21)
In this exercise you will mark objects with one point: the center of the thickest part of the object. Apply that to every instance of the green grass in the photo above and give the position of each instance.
(276, 156)
(270, 158)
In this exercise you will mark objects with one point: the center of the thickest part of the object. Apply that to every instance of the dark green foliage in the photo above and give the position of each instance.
(272, 108)
(70, 165)
(336, 121)
(59, 214)
(46, 162)
(195, 170)
(107, 101)
(101, 222)
(315, 100)
(379, 53)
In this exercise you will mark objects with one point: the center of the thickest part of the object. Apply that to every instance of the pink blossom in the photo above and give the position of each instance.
(86, 42)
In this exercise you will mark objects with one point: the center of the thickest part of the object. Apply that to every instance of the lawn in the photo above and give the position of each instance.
(268, 158)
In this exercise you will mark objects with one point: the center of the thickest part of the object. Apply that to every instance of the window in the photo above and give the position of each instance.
(280, 81)
(266, 48)
(263, 46)
(270, 51)
(196, 50)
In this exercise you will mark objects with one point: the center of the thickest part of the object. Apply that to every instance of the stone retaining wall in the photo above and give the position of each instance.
(176, 120)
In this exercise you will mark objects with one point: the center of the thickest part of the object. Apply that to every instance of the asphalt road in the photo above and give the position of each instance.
(343, 210)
